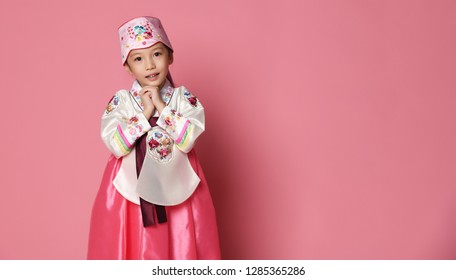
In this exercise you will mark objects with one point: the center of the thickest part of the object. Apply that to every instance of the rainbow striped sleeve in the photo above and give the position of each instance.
(183, 141)
(121, 141)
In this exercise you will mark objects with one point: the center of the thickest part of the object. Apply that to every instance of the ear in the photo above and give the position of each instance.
(170, 57)
(127, 68)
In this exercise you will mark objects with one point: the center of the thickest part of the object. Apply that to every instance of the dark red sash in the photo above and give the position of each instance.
(147, 208)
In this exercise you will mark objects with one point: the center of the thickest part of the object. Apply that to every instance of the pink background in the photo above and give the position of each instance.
(330, 124)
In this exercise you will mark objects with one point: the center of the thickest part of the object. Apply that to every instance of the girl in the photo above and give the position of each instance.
(153, 202)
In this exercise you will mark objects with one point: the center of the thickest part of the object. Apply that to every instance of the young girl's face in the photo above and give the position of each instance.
(150, 66)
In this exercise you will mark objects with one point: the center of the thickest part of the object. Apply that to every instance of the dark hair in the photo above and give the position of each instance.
(169, 77)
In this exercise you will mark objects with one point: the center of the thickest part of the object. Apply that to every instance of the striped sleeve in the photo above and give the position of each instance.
(183, 126)
(122, 125)
(121, 141)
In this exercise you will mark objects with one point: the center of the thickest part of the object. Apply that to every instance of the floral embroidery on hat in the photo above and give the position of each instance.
(191, 98)
(112, 104)
(159, 145)
(140, 32)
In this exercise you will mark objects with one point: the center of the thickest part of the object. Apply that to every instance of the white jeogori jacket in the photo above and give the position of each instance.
(166, 177)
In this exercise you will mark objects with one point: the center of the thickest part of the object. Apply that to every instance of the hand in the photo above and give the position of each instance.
(146, 99)
(158, 101)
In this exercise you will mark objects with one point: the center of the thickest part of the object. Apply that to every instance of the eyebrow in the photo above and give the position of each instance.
(154, 48)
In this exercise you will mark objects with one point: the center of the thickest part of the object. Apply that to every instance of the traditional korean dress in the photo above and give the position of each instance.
(169, 178)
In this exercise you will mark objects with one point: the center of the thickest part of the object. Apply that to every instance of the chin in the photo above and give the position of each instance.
(154, 83)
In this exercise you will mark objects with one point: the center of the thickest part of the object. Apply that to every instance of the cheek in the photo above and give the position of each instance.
(131, 71)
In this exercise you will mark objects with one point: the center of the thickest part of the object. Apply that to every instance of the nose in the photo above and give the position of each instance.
(150, 64)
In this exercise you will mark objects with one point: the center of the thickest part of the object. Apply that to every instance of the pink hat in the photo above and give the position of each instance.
(141, 33)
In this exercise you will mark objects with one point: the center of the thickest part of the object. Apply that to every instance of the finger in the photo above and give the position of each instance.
(145, 89)
(144, 92)
(151, 88)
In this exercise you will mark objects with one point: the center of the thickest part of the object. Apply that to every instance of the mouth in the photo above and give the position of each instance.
(151, 76)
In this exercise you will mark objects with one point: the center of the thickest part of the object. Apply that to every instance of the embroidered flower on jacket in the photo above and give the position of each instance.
(133, 120)
(168, 94)
(175, 113)
(153, 144)
(166, 142)
(160, 145)
(112, 104)
(164, 152)
(137, 98)
(134, 127)
(168, 121)
(171, 120)
(191, 98)
(167, 97)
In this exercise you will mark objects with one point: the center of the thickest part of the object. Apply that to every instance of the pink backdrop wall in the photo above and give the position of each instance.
(330, 129)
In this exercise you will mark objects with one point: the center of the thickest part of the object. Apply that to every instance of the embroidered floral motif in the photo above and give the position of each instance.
(160, 145)
(137, 98)
(168, 94)
(191, 98)
(133, 120)
(112, 105)
(134, 127)
(172, 119)
(140, 32)
(153, 144)
(175, 113)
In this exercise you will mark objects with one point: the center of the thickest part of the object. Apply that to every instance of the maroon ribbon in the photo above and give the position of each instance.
(147, 208)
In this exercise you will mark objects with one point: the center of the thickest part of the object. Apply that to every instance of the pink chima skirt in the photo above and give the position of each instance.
(117, 231)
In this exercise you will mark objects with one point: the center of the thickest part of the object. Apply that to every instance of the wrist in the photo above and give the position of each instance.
(160, 106)
(148, 113)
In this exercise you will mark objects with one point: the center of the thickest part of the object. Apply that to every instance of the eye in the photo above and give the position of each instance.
(138, 58)
(157, 53)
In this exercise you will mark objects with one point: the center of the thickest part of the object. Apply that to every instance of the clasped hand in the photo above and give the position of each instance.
(151, 99)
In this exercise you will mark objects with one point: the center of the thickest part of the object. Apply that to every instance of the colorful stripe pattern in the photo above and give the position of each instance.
(121, 141)
(184, 137)
(182, 134)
